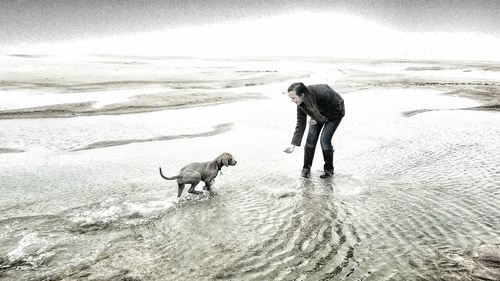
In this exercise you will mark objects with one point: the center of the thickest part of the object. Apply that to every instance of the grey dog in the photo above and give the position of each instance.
(196, 172)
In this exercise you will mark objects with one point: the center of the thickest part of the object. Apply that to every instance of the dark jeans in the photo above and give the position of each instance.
(327, 130)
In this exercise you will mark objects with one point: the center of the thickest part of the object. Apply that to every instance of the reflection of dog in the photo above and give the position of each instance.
(196, 172)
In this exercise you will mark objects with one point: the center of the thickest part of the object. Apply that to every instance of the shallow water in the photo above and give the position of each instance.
(413, 198)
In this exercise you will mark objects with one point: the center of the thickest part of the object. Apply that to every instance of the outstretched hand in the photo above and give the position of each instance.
(289, 149)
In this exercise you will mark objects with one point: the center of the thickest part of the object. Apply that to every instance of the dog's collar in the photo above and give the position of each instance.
(219, 168)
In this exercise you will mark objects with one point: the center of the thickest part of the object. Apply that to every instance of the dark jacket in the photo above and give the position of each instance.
(330, 105)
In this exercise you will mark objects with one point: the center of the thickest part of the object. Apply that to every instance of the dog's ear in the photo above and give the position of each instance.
(225, 160)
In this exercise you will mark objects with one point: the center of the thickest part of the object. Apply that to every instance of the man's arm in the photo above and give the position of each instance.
(300, 127)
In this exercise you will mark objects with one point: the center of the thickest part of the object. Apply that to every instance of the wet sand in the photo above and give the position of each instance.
(137, 105)
(218, 129)
(414, 197)
(10, 150)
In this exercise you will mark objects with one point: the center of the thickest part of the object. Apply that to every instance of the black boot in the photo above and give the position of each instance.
(308, 159)
(328, 167)
(327, 174)
(306, 173)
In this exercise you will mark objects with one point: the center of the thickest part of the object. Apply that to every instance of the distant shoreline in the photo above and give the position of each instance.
(182, 82)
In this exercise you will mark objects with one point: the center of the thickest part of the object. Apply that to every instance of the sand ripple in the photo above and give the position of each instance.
(412, 199)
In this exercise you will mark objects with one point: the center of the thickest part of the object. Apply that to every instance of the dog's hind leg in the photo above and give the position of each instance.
(193, 186)
(191, 177)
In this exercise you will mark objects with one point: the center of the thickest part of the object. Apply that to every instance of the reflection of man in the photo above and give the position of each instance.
(326, 109)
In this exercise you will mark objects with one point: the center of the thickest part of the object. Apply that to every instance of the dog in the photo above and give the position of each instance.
(196, 172)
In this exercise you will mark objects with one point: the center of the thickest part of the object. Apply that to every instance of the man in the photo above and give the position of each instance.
(326, 109)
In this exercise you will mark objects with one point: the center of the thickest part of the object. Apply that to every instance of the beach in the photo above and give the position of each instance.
(414, 196)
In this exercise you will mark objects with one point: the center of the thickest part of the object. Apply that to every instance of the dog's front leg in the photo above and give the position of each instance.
(209, 183)
(208, 186)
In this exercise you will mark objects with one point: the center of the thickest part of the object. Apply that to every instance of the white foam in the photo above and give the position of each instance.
(113, 213)
(28, 239)
(148, 209)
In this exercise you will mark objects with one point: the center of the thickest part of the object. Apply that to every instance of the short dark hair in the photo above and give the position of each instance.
(309, 99)
(299, 88)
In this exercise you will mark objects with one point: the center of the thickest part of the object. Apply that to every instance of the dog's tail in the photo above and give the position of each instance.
(168, 178)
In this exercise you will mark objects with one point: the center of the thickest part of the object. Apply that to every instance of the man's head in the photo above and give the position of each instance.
(296, 91)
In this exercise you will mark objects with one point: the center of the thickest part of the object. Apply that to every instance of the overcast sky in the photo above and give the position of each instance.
(41, 21)
(46, 20)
